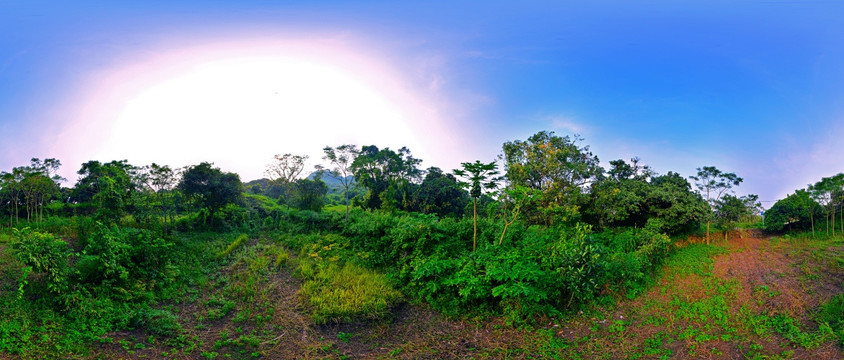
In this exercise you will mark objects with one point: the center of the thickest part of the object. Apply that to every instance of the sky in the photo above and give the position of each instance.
(751, 87)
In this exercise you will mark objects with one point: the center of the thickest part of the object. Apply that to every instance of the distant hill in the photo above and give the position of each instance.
(334, 184)
(259, 186)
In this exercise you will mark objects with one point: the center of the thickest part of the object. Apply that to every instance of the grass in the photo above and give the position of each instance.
(348, 292)
(242, 239)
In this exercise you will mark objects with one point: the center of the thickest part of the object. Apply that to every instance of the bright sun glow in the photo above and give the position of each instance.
(238, 111)
(222, 109)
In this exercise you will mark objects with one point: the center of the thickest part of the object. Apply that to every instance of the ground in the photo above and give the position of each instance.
(747, 297)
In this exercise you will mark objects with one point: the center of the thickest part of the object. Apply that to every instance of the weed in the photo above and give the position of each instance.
(344, 337)
(238, 242)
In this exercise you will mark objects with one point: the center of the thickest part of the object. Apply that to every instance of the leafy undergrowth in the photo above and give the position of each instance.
(249, 297)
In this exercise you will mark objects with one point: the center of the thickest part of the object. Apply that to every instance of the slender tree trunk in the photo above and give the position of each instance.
(812, 219)
(347, 204)
(707, 232)
(507, 224)
(17, 218)
(833, 221)
(475, 224)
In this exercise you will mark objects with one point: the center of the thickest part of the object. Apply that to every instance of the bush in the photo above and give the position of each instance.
(122, 259)
(44, 253)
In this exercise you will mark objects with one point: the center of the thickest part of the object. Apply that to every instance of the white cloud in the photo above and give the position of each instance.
(566, 123)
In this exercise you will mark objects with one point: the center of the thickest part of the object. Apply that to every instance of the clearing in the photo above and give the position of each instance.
(749, 297)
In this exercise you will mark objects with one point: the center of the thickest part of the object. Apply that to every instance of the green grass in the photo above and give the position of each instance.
(337, 208)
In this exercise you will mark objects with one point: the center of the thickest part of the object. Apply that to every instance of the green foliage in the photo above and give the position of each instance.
(378, 170)
(556, 166)
(794, 212)
(45, 254)
(122, 259)
(210, 187)
(310, 194)
(440, 194)
(577, 264)
(831, 314)
(106, 189)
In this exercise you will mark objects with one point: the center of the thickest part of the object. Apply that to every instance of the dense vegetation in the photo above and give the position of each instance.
(543, 232)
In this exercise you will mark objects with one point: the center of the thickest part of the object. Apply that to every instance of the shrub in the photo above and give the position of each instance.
(44, 253)
(122, 259)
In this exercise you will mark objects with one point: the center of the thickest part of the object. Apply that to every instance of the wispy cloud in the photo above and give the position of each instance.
(566, 123)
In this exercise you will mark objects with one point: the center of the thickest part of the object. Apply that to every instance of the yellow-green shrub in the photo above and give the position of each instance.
(349, 292)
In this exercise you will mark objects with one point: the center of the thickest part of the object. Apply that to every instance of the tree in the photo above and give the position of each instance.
(730, 209)
(284, 170)
(795, 212)
(211, 187)
(341, 160)
(672, 201)
(380, 170)
(512, 200)
(310, 194)
(161, 181)
(440, 194)
(556, 166)
(712, 183)
(9, 190)
(479, 177)
(106, 188)
(828, 192)
(620, 197)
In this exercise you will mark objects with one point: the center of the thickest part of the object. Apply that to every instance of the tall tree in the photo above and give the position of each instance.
(792, 212)
(106, 189)
(341, 160)
(828, 192)
(10, 190)
(211, 187)
(712, 183)
(556, 166)
(283, 171)
(478, 177)
(310, 194)
(161, 181)
(381, 169)
(440, 194)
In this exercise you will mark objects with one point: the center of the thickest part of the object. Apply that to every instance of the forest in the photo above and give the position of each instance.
(538, 253)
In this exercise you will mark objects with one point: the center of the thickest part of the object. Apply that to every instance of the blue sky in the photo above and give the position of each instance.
(752, 87)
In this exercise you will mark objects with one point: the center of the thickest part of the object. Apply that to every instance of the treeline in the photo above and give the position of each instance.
(544, 180)
(818, 208)
(541, 230)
